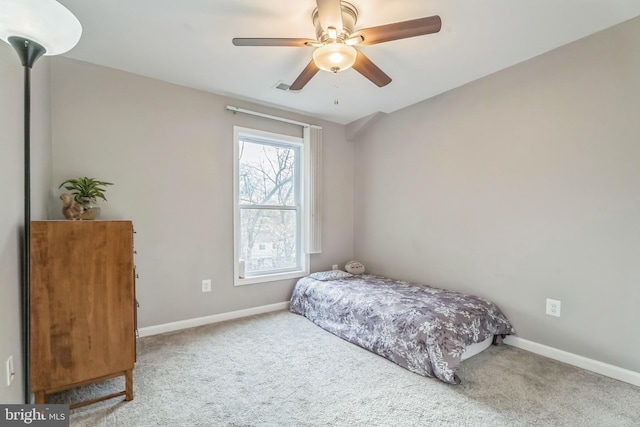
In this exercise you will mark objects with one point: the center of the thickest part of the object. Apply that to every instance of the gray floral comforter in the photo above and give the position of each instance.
(421, 328)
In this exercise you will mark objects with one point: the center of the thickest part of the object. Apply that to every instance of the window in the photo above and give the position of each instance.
(269, 214)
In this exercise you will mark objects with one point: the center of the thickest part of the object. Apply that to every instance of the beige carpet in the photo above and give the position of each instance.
(279, 369)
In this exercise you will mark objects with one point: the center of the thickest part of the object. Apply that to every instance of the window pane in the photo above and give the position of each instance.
(268, 240)
(267, 174)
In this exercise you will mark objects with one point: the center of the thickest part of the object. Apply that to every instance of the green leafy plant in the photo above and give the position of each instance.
(84, 189)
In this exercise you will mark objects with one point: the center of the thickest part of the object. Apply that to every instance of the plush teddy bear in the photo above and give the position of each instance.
(354, 267)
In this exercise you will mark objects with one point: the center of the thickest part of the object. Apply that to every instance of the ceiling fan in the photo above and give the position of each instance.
(335, 21)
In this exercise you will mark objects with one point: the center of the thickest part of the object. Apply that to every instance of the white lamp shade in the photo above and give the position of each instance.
(45, 22)
(334, 57)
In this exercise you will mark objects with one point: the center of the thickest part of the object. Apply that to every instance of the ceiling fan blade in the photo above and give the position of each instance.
(399, 30)
(272, 42)
(364, 66)
(309, 71)
(330, 14)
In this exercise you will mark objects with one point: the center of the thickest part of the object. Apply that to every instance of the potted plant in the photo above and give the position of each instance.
(85, 191)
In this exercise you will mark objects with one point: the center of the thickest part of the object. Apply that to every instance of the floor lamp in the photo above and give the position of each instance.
(34, 28)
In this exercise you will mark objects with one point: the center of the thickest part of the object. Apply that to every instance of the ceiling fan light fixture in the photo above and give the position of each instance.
(335, 57)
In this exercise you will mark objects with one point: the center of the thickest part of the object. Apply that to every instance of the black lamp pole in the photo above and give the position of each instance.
(28, 51)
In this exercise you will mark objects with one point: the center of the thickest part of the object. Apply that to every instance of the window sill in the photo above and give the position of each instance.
(270, 278)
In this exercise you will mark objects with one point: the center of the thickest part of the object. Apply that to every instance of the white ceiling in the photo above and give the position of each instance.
(188, 42)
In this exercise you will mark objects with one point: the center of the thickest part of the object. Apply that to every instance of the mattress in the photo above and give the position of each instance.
(422, 328)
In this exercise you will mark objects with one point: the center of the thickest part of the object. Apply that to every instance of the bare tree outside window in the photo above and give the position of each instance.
(269, 206)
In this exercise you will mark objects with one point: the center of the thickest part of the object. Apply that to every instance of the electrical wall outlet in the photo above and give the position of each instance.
(553, 307)
(206, 285)
(11, 373)
(334, 267)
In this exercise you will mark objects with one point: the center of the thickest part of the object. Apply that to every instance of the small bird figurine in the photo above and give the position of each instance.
(70, 208)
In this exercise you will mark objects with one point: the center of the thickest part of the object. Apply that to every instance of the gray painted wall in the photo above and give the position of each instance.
(11, 187)
(521, 186)
(168, 149)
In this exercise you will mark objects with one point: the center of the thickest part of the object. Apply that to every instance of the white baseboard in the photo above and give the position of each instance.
(206, 320)
(601, 368)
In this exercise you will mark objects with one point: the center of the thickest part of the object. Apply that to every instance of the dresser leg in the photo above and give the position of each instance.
(39, 397)
(128, 379)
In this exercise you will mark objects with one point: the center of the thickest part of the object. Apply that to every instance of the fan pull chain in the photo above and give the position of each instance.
(336, 86)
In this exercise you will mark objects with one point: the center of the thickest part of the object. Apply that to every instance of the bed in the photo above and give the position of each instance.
(419, 327)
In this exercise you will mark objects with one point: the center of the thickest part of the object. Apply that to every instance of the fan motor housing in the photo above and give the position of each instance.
(349, 19)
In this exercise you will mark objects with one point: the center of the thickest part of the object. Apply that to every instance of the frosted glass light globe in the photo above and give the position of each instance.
(335, 57)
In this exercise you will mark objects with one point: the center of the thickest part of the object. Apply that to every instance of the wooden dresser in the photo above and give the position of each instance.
(83, 314)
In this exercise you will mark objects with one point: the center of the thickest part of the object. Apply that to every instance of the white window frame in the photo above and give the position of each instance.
(303, 255)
